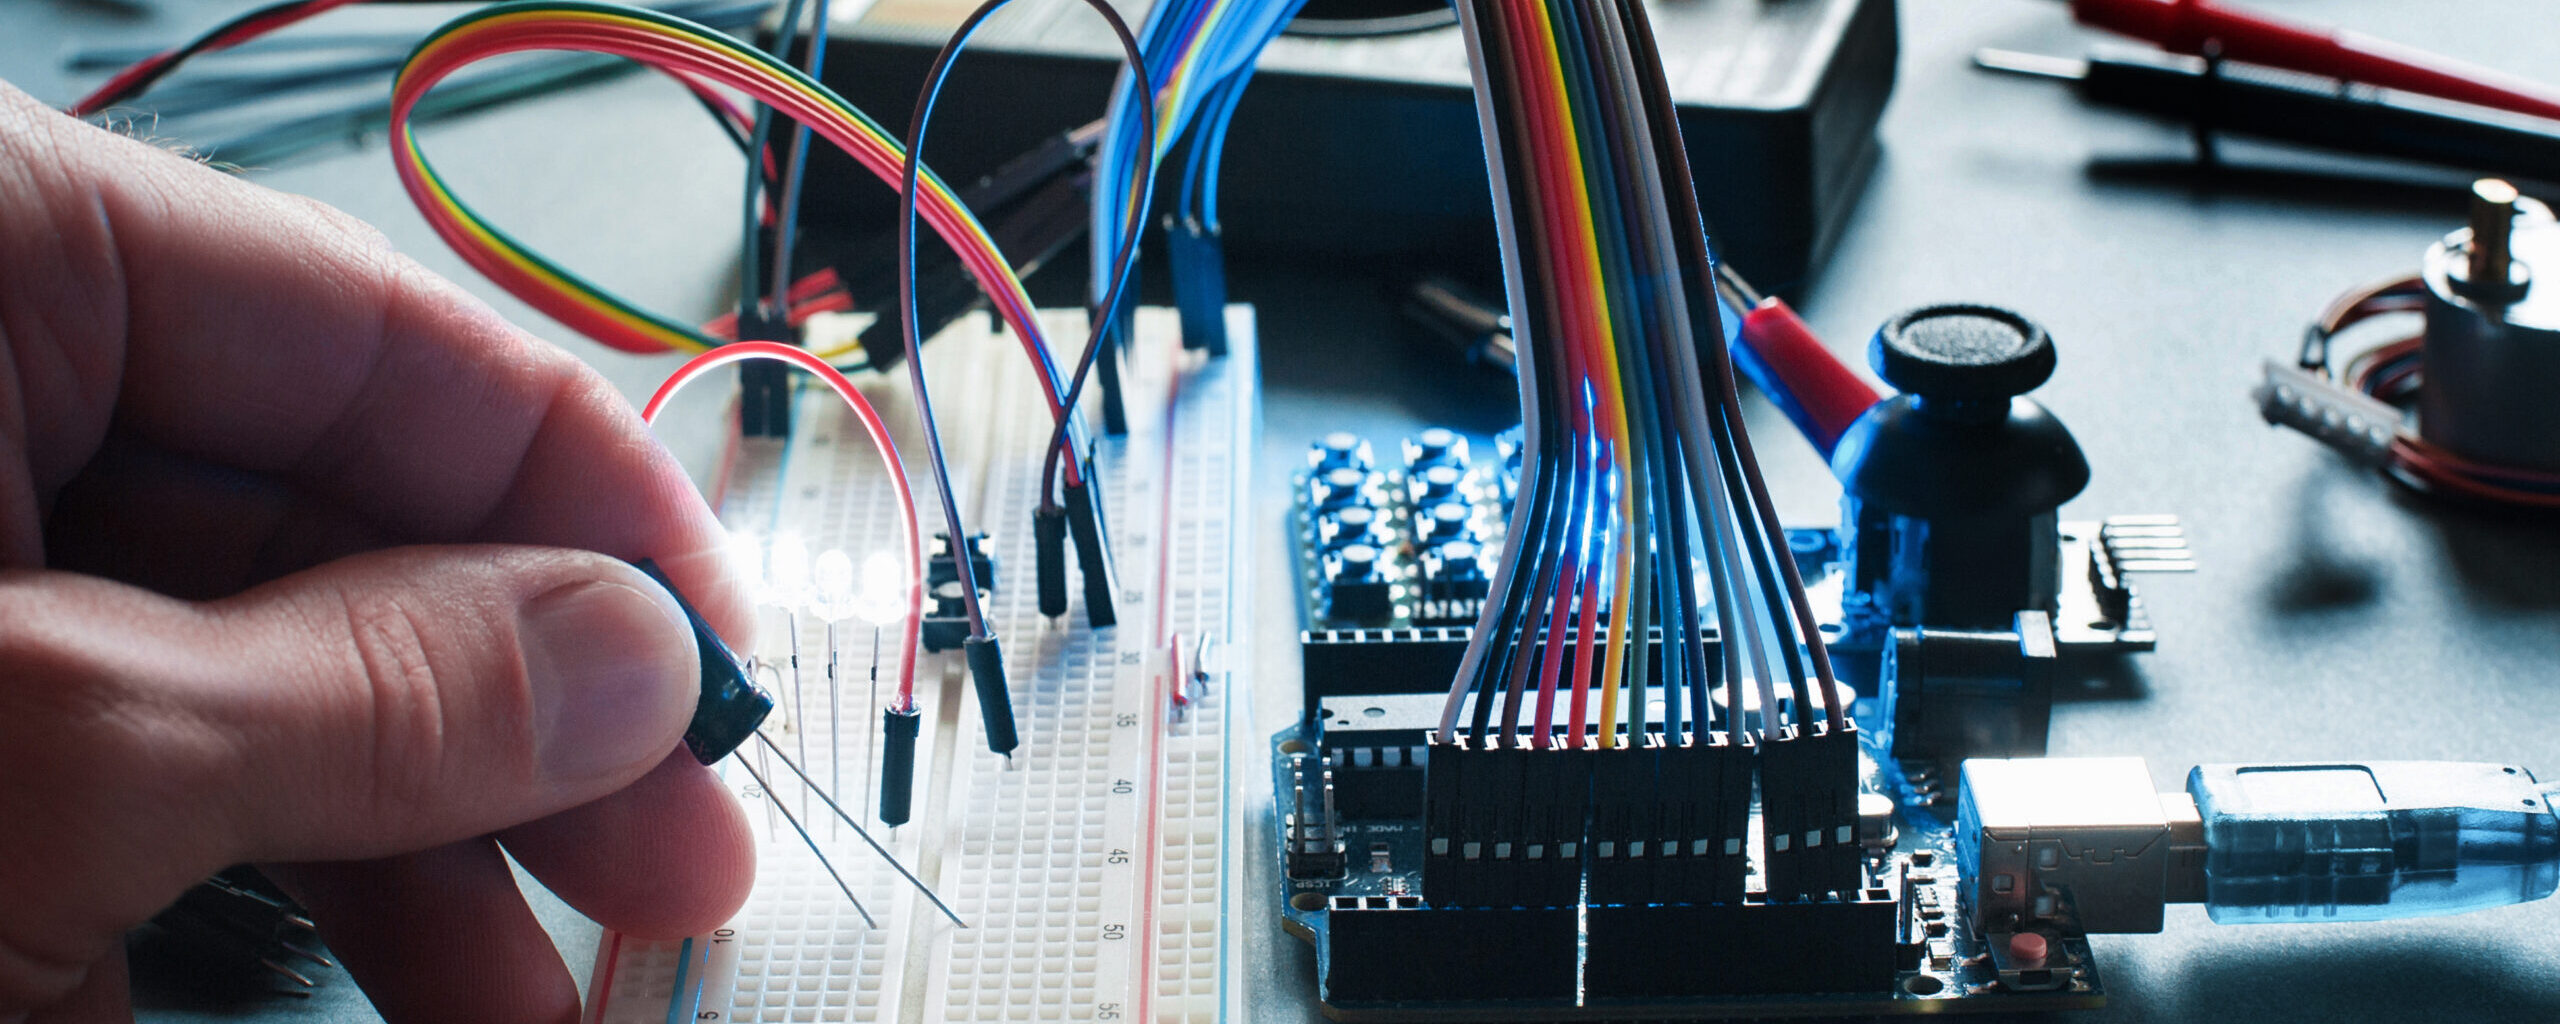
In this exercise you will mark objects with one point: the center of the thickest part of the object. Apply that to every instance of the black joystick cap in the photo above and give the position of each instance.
(1963, 352)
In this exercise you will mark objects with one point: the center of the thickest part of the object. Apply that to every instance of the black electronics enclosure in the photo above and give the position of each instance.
(1366, 149)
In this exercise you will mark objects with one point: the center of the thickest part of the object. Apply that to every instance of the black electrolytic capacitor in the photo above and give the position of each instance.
(731, 706)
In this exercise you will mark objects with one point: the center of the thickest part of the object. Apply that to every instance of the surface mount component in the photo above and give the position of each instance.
(1406, 545)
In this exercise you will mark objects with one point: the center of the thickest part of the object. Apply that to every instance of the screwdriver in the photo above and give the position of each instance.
(2202, 28)
(2289, 107)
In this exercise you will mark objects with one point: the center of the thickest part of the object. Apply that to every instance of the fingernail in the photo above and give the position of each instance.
(614, 676)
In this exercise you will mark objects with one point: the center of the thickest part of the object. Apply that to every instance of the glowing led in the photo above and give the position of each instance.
(882, 580)
(789, 575)
(834, 600)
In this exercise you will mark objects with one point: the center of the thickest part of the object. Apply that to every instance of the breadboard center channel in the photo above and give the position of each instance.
(1093, 867)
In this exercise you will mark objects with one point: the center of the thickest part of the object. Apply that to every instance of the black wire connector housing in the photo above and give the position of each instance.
(731, 706)
(1049, 543)
(1199, 263)
(1093, 551)
(764, 385)
(1115, 340)
(995, 699)
(898, 764)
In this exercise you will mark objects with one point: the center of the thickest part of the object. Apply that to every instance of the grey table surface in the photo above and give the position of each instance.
(2332, 618)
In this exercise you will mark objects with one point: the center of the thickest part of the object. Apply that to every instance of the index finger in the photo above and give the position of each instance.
(246, 328)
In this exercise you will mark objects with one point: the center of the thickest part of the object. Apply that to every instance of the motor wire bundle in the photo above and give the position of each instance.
(2392, 372)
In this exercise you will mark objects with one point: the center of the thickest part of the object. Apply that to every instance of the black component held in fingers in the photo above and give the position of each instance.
(898, 764)
(1093, 551)
(731, 705)
(1049, 542)
(995, 700)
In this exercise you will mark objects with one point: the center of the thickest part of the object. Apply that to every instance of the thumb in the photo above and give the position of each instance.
(416, 696)
(382, 703)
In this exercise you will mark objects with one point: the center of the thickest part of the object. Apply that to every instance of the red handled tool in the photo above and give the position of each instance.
(1781, 354)
(2206, 29)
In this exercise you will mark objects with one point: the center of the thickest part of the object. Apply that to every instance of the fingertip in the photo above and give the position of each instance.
(615, 674)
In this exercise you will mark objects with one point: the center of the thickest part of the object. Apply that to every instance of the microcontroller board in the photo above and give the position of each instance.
(1663, 891)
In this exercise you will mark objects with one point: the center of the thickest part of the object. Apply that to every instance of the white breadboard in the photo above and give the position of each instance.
(1093, 868)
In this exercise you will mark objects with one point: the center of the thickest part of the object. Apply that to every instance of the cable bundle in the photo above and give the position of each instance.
(705, 61)
(1638, 455)
(700, 58)
(1639, 489)
(133, 81)
(1199, 55)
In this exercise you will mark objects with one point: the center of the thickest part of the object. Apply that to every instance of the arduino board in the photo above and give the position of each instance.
(1648, 879)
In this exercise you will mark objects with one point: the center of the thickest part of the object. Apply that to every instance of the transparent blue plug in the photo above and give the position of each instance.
(2372, 841)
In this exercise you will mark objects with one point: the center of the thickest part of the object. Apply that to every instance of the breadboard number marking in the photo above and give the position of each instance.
(1106, 1011)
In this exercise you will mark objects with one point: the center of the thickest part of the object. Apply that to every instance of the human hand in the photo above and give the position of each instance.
(308, 559)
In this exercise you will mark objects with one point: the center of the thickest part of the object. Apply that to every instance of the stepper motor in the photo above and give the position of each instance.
(2492, 358)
